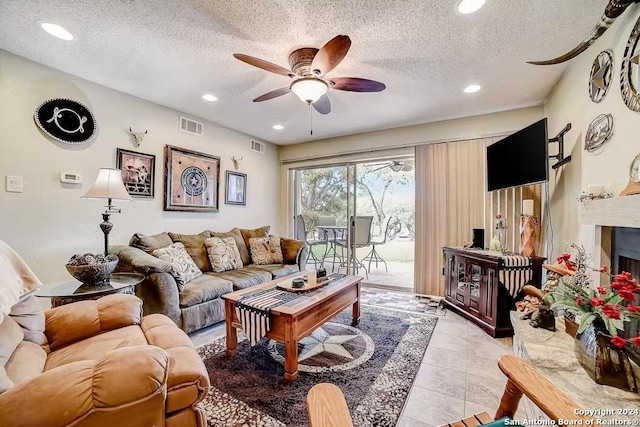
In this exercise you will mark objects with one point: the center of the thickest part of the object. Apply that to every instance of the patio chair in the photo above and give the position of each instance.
(302, 234)
(373, 255)
(362, 240)
(330, 236)
(327, 406)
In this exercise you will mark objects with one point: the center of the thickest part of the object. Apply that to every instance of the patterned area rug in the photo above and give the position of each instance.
(401, 301)
(374, 364)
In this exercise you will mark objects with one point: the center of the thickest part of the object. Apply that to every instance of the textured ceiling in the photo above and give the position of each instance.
(172, 52)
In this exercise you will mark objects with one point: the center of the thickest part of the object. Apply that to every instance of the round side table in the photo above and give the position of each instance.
(66, 292)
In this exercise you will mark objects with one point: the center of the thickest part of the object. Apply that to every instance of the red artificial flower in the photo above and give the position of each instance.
(610, 311)
(563, 257)
(618, 342)
(579, 301)
(636, 341)
(618, 285)
(623, 277)
(626, 294)
(498, 215)
(596, 301)
(633, 308)
(601, 290)
(604, 269)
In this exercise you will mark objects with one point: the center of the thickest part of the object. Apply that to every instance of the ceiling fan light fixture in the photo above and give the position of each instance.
(465, 7)
(309, 89)
(396, 167)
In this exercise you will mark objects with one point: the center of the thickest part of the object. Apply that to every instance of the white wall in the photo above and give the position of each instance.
(444, 131)
(570, 103)
(48, 222)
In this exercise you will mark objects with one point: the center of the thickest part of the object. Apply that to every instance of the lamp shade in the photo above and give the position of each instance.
(108, 185)
(309, 89)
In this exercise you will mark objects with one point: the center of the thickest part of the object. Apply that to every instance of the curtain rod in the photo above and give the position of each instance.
(381, 150)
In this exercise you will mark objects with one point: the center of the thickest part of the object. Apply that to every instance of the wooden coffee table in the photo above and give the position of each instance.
(294, 320)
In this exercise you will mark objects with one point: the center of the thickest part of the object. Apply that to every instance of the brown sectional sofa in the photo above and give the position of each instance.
(200, 304)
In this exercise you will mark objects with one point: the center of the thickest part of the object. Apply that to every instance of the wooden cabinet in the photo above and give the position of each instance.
(473, 288)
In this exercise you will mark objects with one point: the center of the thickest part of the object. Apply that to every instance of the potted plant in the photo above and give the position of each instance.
(603, 312)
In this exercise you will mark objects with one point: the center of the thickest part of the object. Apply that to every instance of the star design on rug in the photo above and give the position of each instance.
(597, 81)
(321, 342)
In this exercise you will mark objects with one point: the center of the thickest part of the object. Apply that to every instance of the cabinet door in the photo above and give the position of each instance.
(450, 277)
(460, 281)
(475, 284)
(490, 297)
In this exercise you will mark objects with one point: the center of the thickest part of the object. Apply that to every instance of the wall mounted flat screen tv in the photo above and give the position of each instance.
(519, 159)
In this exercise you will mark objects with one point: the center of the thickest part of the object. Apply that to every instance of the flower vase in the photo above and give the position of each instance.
(605, 363)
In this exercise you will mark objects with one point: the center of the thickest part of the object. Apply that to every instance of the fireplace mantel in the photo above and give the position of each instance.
(615, 212)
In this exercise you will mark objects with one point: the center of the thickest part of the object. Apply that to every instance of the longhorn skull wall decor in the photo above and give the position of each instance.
(236, 162)
(614, 9)
(137, 136)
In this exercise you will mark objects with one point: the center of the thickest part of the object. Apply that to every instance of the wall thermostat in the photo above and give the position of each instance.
(70, 178)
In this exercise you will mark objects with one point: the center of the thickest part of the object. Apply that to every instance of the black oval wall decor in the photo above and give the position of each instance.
(66, 120)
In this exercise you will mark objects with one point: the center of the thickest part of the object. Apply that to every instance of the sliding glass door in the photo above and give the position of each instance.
(358, 218)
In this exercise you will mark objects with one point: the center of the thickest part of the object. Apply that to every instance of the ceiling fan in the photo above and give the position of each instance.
(396, 166)
(309, 67)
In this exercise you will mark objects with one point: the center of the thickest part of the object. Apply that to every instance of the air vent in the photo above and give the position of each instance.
(258, 147)
(191, 126)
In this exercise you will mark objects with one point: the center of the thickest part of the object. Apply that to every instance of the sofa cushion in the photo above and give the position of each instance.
(242, 245)
(290, 249)
(26, 362)
(276, 270)
(96, 347)
(204, 288)
(248, 234)
(5, 382)
(194, 244)
(29, 315)
(265, 250)
(223, 254)
(244, 277)
(150, 243)
(183, 267)
(10, 336)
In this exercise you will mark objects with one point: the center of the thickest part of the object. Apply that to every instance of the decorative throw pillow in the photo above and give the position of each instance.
(194, 244)
(248, 234)
(223, 254)
(183, 268)
(240, 243)
(266, 250)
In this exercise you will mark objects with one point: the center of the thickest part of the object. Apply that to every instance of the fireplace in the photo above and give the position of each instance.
(625, 256)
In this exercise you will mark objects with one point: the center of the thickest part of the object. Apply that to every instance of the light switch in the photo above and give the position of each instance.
(14, 184)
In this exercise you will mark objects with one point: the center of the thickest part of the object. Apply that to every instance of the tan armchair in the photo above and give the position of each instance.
(104, 365)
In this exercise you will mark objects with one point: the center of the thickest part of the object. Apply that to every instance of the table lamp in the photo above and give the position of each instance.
(108, 185)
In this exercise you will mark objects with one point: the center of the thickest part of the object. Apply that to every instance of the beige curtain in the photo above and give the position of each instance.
(431, 214)
(451, 200)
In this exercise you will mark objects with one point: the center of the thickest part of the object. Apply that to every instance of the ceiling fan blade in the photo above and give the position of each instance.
(273, 94)
(265, 65)
(355, 84)
(322, 105)
(331, 54)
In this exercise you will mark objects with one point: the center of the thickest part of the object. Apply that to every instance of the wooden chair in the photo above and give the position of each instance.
(327, 407)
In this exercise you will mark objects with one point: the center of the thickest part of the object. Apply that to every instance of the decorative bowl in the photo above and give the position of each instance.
(94, 274)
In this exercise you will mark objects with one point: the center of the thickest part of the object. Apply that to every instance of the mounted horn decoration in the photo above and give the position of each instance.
(137, 136)
(614, 9)
(236, 162)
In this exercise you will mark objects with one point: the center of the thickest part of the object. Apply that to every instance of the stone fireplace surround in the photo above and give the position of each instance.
(610, 230)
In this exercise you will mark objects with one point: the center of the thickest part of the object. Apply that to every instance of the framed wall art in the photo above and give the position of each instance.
(192, 180)
(236, 193)
(138, 172)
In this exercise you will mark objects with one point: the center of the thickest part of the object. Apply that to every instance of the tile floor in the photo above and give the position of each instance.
(459, 375)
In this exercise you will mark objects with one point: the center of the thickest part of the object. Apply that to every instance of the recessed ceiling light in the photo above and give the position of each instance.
(278, 127)
(56, 31)
(466, 7)
(209, 97)
(472, 89)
